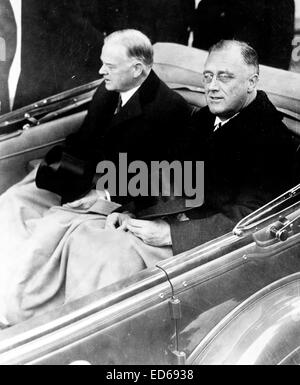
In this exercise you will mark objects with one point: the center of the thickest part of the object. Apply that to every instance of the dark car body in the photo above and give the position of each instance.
(235, 299)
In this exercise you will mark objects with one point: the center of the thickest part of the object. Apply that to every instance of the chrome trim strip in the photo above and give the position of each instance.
(74, 331)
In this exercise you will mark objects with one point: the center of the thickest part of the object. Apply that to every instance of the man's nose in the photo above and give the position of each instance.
(102, 70)
(214, 84)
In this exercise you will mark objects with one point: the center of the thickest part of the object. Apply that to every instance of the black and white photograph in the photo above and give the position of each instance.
(149, 185)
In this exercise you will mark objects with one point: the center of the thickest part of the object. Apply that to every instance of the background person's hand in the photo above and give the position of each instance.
(154, 233)
(87, 201)
(117, 220)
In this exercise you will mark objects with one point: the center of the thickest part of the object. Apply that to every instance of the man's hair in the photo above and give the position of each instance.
(137, 44)
(248, 53)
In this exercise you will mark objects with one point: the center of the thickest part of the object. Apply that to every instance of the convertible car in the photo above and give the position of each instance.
(233, 300)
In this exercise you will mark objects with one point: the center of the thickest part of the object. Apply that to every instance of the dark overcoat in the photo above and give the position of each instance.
(152, 126)
(266, 25)
(60, 47)
(160, 20)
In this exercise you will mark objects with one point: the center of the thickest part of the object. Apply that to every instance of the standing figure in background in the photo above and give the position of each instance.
(266, 25)
(59, 40)
(8, 41)
(166, 20)
(161, 20)
(55, 44)
(59, 46)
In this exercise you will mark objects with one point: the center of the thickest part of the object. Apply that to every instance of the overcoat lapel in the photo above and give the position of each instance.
(134, 107)
(105, 103)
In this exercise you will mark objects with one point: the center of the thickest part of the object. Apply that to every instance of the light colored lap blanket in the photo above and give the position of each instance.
(51, 254)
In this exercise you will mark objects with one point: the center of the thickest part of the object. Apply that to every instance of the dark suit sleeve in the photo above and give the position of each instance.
(81, 143)
(189, 234)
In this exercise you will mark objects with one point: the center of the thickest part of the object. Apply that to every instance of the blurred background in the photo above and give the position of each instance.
(50, 46)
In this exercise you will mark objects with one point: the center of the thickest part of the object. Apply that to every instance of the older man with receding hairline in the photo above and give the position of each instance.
(132, 112)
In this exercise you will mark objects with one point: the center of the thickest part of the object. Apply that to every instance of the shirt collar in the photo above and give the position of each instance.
(125, 96)
(219, 123)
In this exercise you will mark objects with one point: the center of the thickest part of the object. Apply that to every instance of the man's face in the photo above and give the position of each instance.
(117, 68)
(227, 82)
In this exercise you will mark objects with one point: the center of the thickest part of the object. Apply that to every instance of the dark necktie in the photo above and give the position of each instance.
(119, 106)
(8, 44)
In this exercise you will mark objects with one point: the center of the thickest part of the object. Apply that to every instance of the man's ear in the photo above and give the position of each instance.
(137, 69)
(252, 82)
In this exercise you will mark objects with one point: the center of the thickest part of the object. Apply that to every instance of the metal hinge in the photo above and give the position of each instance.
(179, 357)
(284, 227)
(257, 220)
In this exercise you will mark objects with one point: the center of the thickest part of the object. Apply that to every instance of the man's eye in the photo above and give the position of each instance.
(207, 78)
(225, 78)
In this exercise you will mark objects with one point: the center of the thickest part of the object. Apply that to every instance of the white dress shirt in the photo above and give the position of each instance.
(125, 96)
(219, 123)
